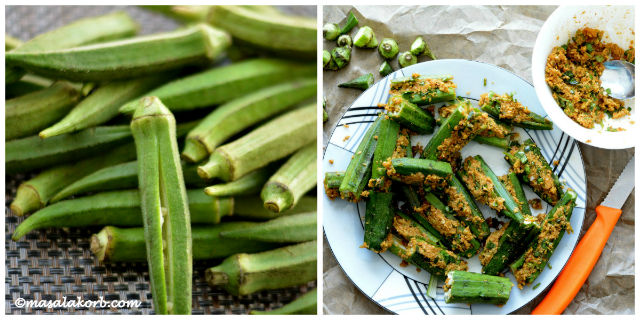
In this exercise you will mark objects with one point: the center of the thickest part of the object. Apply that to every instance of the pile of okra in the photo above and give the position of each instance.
(422, 202)
(193, 144)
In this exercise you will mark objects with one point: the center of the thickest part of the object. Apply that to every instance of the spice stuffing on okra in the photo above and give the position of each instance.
(272, 141)
(164, 205)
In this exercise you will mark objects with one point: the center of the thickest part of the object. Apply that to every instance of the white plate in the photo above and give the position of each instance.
(403, 289)
(618, 24)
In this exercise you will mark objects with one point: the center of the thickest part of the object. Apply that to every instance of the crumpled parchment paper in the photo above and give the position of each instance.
(503, 36)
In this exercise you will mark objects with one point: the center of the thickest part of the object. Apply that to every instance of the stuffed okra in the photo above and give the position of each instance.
(469, 287)
(508, 109)
(424, 90)
(358, 172)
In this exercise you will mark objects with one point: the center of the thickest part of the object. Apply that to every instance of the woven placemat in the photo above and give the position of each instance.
(52, 264)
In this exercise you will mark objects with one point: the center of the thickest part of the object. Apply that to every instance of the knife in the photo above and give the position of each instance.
(588, 250)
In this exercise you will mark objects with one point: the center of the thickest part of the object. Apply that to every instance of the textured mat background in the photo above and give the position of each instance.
(52, 264)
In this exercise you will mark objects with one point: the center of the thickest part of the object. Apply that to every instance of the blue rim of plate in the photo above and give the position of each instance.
(565, 141)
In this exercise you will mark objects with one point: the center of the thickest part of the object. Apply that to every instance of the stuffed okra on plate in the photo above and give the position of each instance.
(422, 218)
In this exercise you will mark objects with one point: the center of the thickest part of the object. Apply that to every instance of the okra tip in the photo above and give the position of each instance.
(100, 243)
(275, 197)
(217, 40)
(26, 200)
(149, 107)
(216, 276)
(194, 151)
(217, 167)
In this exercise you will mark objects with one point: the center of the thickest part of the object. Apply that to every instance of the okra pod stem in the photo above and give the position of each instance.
(365, 38)
(119, 177)
(287, 229)
(340, 57)
(102, 105)
(28, 114)
(124, 59)
(243, 274)
(406, 59)
(113, 244)
(326, 58)
(388, 48)
(272, 141)
(241, 113)
(292, 35)
(291, 181)
(305, 304)
(37, 192)
(330, 31)
(164, 207)
(122, 209)
(250, 184)
(222, 84)
(344, 40)
(332, 181)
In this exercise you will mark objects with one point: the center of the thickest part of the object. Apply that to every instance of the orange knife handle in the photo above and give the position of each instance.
(581, 262)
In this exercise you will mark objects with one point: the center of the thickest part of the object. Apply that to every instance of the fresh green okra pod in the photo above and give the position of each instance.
(113, 244)
(272, 141)
(293, 35)
(36, 192)
(28, 114)
(112, 26)
(287, 229)
(352, 21)
(239, 114)
(362, 82)
(292, 180)
(330, 31)
(165, 208)
(385, 147)
(250, 184)
(102, 105)
(388, 48)
(122, 209)
(31, 153)
(119, 177)
(305, 304)
(344, 40)
(420, 47)
(406, 59)
(243, 274)
(146, 55)
(223, 84)
(385, 68)
(470, 287)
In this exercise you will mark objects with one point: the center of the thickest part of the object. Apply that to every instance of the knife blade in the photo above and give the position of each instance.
(621, 190)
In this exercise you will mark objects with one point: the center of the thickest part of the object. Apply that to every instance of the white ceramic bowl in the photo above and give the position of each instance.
(618, 24)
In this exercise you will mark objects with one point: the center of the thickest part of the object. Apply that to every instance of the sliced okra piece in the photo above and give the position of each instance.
(272, 141)
(378, 220)
(527, 162)
(406, 59)
(528, 267)
(512, 183)
(464, 208)
(470, 287)
(385, 68)
(296, 176)
(503, 246)
(422, 172)
(506, 108)
(241, 113)
(359, 168)
(409, 115)
(485, 187)
(332, 182)
(425, 90)
(165, 208)
(145, 55)
(362, 82)
(415, 201)
(385, 147)
(243, 274)
(388, 48)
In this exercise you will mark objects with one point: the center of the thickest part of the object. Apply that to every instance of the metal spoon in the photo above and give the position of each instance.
(619, 77)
